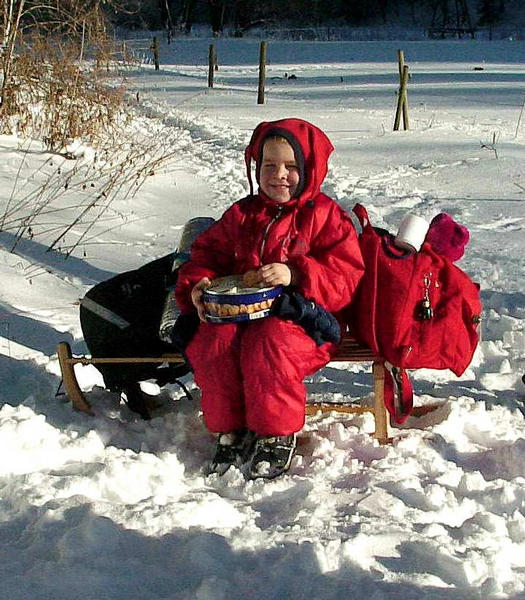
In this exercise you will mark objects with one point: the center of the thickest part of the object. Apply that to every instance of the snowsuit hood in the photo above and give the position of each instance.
(311, 146)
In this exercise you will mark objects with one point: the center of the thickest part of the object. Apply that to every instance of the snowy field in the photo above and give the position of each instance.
(114, 508)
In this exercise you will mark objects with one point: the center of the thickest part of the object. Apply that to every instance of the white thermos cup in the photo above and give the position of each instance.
(412, 232)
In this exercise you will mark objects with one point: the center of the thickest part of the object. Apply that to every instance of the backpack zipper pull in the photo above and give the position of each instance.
(425, 310)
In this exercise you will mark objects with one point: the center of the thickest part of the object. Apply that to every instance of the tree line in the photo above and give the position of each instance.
(243, 15)
(240, 16)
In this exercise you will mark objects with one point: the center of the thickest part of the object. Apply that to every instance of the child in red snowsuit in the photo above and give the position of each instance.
(288, 233)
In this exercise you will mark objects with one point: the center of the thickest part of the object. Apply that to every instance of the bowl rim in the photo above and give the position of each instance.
(233, 280)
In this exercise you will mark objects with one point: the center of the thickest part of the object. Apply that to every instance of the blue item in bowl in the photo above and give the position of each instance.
(227, 301)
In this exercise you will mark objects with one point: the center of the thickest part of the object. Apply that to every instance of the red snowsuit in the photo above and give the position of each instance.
(251, 374)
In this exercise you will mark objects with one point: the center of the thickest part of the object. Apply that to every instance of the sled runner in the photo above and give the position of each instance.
(350, 351)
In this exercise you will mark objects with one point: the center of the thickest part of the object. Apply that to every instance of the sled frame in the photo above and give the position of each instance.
(349, 351)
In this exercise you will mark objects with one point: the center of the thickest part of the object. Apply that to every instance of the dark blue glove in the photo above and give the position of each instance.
(318, 323)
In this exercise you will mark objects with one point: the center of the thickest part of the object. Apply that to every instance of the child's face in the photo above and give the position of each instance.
(279, 175)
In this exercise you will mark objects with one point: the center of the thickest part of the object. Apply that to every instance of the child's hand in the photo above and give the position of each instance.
(196, 296)
(276, 274)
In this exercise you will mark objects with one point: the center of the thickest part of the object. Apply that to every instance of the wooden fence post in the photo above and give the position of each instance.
(402, 98)
(401, 64)
(262, 73)
(404, 87)
(211, 65)
(155, 49)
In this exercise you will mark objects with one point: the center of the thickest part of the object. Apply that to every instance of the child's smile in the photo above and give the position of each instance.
(279, 174)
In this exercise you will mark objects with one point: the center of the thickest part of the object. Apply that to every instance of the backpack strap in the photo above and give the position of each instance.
(360, 220)
(359, 217)
(398, 393)
(104, 313)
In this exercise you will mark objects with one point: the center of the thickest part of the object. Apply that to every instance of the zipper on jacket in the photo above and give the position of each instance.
(267, 230)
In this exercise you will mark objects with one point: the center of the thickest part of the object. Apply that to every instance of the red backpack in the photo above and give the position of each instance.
(414, 310)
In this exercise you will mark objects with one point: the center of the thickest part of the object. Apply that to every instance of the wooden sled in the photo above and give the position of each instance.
(350, 351)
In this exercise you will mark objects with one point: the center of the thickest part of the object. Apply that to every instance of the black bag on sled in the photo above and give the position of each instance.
(134, 315)
(120, 317)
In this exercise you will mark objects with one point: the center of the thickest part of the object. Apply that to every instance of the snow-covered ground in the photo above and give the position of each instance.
(112, 507)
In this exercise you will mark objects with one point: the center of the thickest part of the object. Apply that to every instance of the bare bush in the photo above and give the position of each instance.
(76, 25)
(70, 198)
(54, 61)
(55, 57)
(53, 99)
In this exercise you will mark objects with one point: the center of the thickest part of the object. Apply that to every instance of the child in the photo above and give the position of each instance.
(289, 233)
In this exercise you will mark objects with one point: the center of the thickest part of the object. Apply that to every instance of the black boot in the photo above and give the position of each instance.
(272, 456)
(231, 449)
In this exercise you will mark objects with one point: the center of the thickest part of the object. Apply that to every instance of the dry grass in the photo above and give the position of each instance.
(51, 97)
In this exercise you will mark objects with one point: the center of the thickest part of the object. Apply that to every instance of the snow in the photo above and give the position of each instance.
(114, 507)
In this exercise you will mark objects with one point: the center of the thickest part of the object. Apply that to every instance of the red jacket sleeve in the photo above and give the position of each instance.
(331, 270)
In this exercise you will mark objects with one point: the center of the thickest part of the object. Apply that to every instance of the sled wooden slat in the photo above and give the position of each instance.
(350, 351)
(168, 358)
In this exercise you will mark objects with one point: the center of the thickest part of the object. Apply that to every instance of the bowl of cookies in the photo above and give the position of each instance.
(230, 300)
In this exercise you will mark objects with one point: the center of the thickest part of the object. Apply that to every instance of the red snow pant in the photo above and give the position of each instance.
(251, 374)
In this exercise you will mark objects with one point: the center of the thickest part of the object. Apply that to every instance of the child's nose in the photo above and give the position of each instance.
(282, 171)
